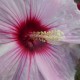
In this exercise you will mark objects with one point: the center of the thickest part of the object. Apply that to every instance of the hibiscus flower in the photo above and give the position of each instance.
(29, 49)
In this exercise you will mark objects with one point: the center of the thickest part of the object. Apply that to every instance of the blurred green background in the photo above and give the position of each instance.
(77, 1)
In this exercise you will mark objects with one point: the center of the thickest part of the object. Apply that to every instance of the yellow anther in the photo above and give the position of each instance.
(38, 33)
(52, 31)
(33, 32)
(59, 33)
(45, 32)
(41, 32)
(48, 33)
(43, 40)
(53, 35)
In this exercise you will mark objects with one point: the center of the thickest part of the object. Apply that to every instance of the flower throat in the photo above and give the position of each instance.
(24, 34)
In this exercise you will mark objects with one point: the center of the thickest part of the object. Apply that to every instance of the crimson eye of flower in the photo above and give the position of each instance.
(24, 30)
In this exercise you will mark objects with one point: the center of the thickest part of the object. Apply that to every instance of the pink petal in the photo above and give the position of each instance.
(15, 66)
(56, 64)
(7, 60)
(71, 26)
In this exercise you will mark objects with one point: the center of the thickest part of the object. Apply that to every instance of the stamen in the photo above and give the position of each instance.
(53, 35)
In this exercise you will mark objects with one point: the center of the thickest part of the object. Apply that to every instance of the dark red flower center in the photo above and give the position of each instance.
(23, 34)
